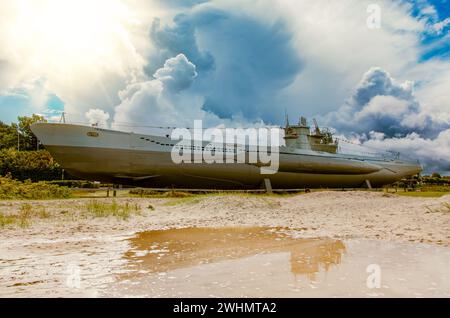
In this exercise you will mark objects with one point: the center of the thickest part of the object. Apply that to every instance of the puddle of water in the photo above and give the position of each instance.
(273, 262)
(163, 251)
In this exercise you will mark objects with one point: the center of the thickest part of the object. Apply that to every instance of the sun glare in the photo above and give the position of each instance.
(72, 33)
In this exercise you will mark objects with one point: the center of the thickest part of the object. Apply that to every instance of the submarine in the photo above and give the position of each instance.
(309, 158)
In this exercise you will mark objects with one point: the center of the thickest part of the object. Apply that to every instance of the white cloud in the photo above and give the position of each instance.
(25, 99)
(177, 74)
(333, 39)
(385, 114)
(381, 103)
(245, 60)
(330, 38)
(433, 153)
(98, 117)
(383, 106)
(439, 26)
(166, 101)
(161, 101)
(84, 50)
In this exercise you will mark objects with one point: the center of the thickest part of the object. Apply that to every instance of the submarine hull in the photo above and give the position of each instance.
(142, 160)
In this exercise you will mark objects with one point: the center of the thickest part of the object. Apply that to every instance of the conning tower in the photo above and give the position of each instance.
(301, 137)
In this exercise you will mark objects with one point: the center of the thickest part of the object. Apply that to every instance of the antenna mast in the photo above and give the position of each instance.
(318, 132)
(63, 118)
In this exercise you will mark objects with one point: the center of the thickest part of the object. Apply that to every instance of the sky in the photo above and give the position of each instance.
(376, 72)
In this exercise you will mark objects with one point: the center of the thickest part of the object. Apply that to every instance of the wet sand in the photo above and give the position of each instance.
(68, 255)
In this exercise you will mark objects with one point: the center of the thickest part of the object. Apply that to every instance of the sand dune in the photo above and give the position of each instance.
(32, 258)
(321, 214)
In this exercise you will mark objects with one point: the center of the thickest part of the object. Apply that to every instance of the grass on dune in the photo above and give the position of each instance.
(426, 191)
(7, 220)
(424, 194)
(446, 207)
(28, 213)
(98, 194)
(181, 201)
(24, 217)
(443, 208)
(196, 198)
(101, 209)
(178, 194)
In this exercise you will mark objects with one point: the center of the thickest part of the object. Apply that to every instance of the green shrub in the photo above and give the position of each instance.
(13, 189)
(436, 175)
(435, 181)
(175, 194)
(159, 194)
(435, 188)
(29, 165)
(146, 192)
(76, 184)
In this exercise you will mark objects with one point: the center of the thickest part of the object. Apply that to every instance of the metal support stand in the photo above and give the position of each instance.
(369, 185)
(268, 186)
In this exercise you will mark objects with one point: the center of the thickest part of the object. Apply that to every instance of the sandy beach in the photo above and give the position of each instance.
(36, 260)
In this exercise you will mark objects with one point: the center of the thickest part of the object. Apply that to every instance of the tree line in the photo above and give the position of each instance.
(19, 135)
(21, 155)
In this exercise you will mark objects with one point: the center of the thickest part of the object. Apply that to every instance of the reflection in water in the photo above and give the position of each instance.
(163, 251)
(272, 262)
